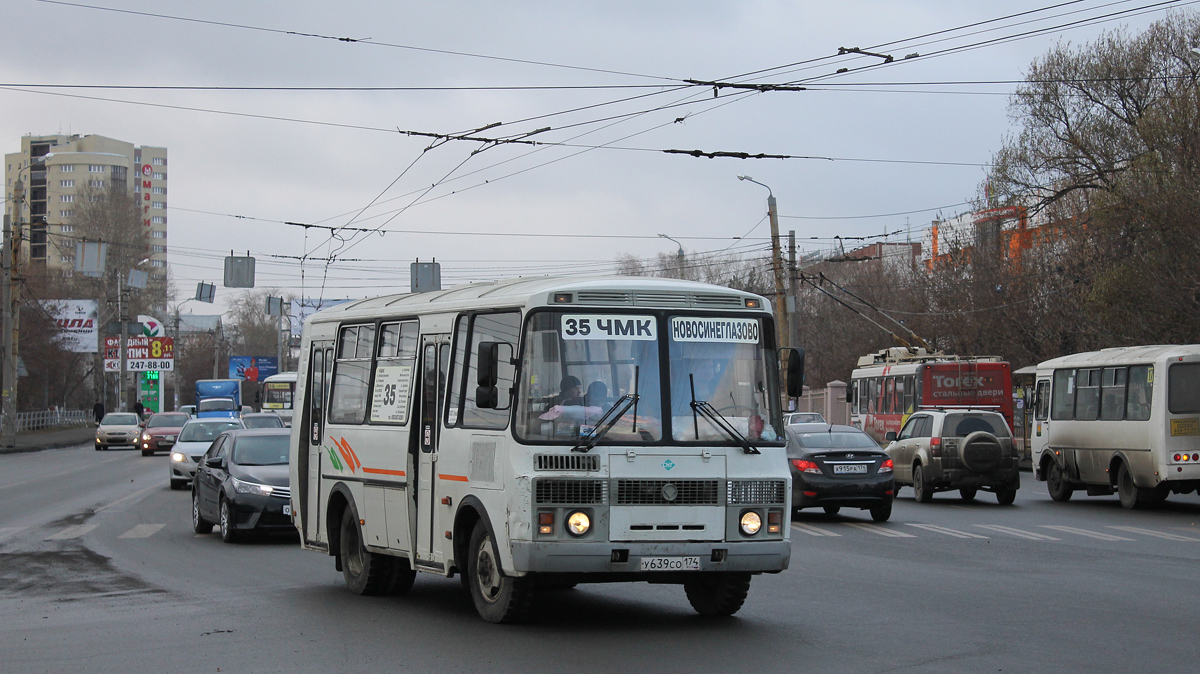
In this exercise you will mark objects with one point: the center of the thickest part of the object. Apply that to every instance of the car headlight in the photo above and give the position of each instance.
(177, 457)
(145, 437)
(243, 487)
(578, 523)
(751, 522)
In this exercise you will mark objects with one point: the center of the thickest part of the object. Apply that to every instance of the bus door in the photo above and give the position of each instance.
(1039, 435)
(435, 352)
(320, 364)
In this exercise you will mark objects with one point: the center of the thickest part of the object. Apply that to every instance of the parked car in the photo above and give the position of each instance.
(839, 466)
(803, 418)
(262, 420)
(242, 484)
(160, 430)
(195, 438)
(967, 450)
(118, 428)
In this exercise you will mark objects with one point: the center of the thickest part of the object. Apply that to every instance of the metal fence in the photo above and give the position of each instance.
(36, 421)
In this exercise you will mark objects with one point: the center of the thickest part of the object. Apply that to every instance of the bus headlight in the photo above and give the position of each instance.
(578, 523)
(751, 522)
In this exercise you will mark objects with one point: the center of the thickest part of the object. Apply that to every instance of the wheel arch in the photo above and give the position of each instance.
(470, 510)
(340, 499)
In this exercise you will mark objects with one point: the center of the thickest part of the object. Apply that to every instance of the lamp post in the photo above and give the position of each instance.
(680, 256)
(781, 333)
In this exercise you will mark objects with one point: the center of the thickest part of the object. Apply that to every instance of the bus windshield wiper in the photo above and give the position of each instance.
(705, 409)
(605, 423)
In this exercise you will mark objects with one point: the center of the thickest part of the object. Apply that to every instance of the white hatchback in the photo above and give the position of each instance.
(118, 428)
(194, 439)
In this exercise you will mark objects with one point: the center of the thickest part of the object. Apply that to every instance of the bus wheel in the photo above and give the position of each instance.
(1132, 496)
(718, 594)
(366, 573)
(498, 598)
(922, 491)
(1057, 485)
(402, 576)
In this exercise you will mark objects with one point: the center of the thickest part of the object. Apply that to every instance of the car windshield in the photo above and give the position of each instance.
(836, 440)
(266, 421)
(806, 418)
(217, 405)
(205, 432)
(167, 420)
(261, 450)
(120, 420)
(962, 425)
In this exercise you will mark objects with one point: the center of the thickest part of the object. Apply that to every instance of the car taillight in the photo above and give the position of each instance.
(806, 466)
(935, 446)
(886, 466)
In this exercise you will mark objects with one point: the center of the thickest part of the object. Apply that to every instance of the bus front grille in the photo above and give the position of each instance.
(668, 492)
(566, 462)
(756, 492)
(569, 492)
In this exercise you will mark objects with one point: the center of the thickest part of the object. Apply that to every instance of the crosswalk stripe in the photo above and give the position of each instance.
(1018, 532)
(142, 531)
(811, 530)
(1085, 532)
(876, 529)
(74, 531)
(1151, 532)
(945, 530)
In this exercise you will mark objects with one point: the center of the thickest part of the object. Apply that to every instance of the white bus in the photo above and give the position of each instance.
(1124, 420)
(278, 392)
(545, 432)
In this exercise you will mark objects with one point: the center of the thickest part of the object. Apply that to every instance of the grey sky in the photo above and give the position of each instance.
(315, 173)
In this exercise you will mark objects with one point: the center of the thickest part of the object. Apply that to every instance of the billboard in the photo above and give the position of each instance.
(77, 324)
(252, 368)
(142, 354)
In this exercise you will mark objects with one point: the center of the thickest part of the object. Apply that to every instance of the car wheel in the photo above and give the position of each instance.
(1057, 485)
(922, 492)
(1006, 495)
(896, 491)
(882, 511)
(146, 452)
(228, 532)
(199, 524)
(498, 598)
(718, 594)
(1132, 496)
(366, 573)
(101, 448)
(831, 510)
(176, 485)
(968, 493)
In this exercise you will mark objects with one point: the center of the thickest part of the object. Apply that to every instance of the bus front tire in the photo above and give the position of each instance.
(498, 598)
(1057, 485)
(366, 573)
(719, 594)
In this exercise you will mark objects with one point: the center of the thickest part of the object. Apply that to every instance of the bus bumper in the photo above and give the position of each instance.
(625, 557)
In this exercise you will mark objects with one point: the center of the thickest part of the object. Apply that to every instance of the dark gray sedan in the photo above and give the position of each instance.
(242, 484)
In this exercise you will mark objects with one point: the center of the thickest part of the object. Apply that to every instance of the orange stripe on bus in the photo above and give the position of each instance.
(383, 471)
(454, 478)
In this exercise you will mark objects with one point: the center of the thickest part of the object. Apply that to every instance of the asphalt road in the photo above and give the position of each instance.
(101, 572)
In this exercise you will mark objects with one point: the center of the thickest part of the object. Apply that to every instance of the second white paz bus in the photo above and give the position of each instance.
(1125, 419)
(545, 432)
(278, 392)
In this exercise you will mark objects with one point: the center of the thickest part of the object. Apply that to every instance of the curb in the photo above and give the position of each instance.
(81, 438)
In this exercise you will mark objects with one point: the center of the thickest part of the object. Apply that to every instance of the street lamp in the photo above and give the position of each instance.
(680, 255)
(776, 265)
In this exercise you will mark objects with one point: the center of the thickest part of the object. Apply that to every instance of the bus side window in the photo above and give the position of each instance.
(1064, 395)
(455, 378)
(1087, 396)
(889, 396)
(504, 328)
(394, 367)
(1141, 390)
(352, 375)
(872, 395)
(909, 394)
(1112, 393)
(1043, 400)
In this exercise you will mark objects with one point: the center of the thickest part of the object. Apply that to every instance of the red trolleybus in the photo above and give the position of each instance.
(890, 385)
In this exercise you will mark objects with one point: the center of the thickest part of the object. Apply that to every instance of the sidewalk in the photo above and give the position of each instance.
(51, 438)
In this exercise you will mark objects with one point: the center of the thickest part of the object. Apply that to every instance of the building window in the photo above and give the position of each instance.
(68, 259)
(66, 213)
(158, 263)
(95, 168)
(159, 161)
(66, 198)
(65, 229)
(95, 198)
(66, 183)
(95, 183)
(158, 220)
(156, 234)
(160, 190)
(158, 249)
(65, 168)
(159, 204)
(159, 176)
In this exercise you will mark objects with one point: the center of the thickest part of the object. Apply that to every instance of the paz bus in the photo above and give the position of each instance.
(1124, 420)
(278, 392)
(546, 432)
(893, 383)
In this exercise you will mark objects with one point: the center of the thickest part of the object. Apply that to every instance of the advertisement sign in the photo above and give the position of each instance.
(77, 324)
(252, 368)
(142, 354)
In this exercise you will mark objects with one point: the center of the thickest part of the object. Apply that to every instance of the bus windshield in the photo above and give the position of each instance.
(579, 371)
(278, 395)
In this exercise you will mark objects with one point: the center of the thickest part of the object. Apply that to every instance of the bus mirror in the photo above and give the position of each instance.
(795, 371)
(850, 394)
(487, 397)
(488, 365)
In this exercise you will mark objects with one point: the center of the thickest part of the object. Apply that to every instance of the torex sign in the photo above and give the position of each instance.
(143, 353)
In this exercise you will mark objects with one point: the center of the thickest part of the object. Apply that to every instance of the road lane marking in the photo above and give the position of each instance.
(1085, 532)
(876, 529)
(142, 531)
(811, 530)
(945, 530)
(1018, 532)
(74, 531)
(126, 498)
(1151, 532)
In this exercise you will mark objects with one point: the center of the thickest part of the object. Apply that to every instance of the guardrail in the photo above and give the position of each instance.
(36, 421)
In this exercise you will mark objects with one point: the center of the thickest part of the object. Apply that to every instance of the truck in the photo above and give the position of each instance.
(218, 398)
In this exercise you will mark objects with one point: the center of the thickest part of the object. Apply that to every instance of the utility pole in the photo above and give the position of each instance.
(11, 315)
(781, 332)
(793, 318)
(122, 344)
